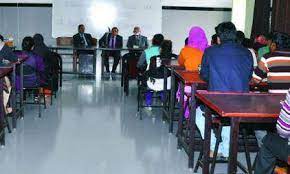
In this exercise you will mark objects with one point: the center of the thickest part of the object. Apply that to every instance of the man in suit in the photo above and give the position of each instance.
(82, 39)
(137, 40)
(114, 41)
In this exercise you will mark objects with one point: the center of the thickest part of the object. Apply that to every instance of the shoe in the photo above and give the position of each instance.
(149, 108)
(113, 75)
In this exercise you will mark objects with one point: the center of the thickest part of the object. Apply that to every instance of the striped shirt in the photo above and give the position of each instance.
(283, 122)
(275, 68)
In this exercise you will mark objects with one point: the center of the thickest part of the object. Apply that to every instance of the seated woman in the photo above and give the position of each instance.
(155, 72)
(191, 55)
(33, 67)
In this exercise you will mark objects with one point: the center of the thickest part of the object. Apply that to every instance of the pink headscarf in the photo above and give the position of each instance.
(197, 38)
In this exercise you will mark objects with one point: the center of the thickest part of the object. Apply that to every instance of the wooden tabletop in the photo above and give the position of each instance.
(5, 70)
(243, 104)
(189, 77)
(94, 48)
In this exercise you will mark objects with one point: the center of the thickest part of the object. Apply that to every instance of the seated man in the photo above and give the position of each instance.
(114, 41)
(274, 68)
(137, 40)
(276, 146)
(226, 67)
(6, 52)
(82, 39)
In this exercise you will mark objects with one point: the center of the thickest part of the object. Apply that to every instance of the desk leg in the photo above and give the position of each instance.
(102, 65)
(21, 91)
(206, 142)
(122, 72)
(235, 126)
(2, 122)
(181, 115)
(13, 97)
(192, 127)
(165, 94)
(60, 72)
(94, 62)
(172, 101)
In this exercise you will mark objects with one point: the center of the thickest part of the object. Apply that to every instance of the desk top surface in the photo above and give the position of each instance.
(263, 105)
(5, 70)
(189, 77)
(93, 48)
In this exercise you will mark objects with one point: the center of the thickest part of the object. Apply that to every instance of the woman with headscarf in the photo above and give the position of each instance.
(190, 58)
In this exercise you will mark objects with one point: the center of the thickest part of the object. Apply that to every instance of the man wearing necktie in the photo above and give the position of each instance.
(113, 41)
(137, 40)
(82, 39)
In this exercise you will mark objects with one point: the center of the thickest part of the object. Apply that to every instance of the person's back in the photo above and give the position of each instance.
(230, 68)
(226, 67)
(190, 58)
(33, 67)
(191, 55)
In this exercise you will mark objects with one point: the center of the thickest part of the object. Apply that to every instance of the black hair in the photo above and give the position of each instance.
(166, 49)
(27, 43)
(214, 39)
(248, 43)
(227, 32)
(38, 38)
(1, 38)
(186, 41)
(115, 28)
(240, 37)
(157, 39)
(81, 25)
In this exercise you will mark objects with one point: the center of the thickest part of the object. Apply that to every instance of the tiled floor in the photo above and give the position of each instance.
(92, 128)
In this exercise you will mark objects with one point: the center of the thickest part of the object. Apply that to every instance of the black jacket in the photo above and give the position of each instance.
(7, 54)
(78, 40)
(105, 40)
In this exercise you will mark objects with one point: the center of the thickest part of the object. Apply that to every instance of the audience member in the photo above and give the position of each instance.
(137, 40)
(114, 41)
(155, 73)
(144, 59)
(240, 37)
(226, 67)
(265, 49)
(5, 52)
(190, 57)
(214, 40)
(33, 67)
(276, 146)
(248, 43)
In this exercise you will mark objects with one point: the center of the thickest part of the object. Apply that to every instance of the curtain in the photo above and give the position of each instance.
(281, 16)
(261, 22)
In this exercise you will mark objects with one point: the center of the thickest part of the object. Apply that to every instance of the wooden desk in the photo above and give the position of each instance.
(191, 79)
(4, 71)
(74, 49)
(117, 49)
(17, 112)
(239, 108)
(168, 110)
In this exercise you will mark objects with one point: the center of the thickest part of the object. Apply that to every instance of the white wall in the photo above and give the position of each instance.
(177, 23)
(26, 1)
(26, 21)
(198, 3)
